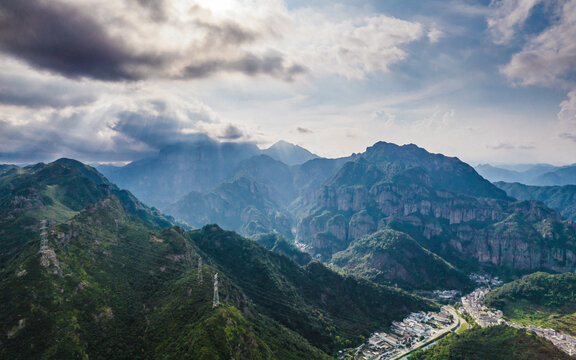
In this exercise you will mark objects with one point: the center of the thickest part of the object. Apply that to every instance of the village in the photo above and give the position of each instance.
(472, 304)
(416, 330)
(424, 328)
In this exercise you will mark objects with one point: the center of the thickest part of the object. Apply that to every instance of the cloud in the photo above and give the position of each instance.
(501, 146)
(435, 34)
(88, 39)
(548, 59)
(250, 65)
(508, 146)
(231, 132)
(507, 16)
(118, 128)
(158, 122)
(351, 45)
(21, 87)
(63, 38)
(130, 40)
(567, 136)
(461, 8)
(568, 108)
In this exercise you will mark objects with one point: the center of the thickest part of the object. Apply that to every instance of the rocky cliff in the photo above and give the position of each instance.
(445, 217)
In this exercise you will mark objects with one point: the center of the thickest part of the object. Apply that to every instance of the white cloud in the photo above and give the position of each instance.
(549, 58)
(507, 16)
(352, 46)
(568, 108)
(435, 34)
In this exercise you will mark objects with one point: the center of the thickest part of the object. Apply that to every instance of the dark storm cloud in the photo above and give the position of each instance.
(66, 39)
(249, 65)
(155, 129)
(63, 39)
(232, 133)
(253, 65)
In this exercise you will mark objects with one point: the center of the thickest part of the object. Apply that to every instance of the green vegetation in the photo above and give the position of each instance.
(541, 299)
(559, 198)
(55, 192)
(392, 257)
(492, 343)
(88, 273)
(330, 310)
(280, 245)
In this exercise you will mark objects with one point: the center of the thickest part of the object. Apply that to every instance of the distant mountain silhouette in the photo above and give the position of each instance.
(289, 154)
(538, 175)
(559, 198)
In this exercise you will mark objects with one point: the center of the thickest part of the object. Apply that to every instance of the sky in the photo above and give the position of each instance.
(115, 81)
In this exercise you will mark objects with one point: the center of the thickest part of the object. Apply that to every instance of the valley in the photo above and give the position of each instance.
(312, 257)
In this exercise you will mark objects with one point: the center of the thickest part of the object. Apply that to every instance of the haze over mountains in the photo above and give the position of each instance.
(538, 175)
(554, 186)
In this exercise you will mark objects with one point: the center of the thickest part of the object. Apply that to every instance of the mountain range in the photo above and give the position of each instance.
(330, 208)
(560, 198)
(88, 271)
(537, 175)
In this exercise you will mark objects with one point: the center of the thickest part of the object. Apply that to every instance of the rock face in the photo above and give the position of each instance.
(462, 222)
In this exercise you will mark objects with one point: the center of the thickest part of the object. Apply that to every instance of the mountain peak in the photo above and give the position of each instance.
(448, 173)
(85, 170)
(288, 153)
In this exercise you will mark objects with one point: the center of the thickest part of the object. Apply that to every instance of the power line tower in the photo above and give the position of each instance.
(200, 278)
(216, 299)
